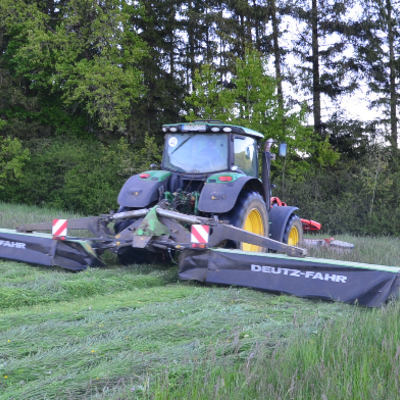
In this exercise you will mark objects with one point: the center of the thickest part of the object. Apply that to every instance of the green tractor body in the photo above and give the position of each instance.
(212, 169)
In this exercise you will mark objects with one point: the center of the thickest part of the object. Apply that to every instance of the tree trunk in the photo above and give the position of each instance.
(392, 85)
(315, 69)
(257, 30)
(277, 54)
(191, 47)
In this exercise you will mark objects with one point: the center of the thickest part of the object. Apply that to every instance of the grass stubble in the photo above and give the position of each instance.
(138, 333)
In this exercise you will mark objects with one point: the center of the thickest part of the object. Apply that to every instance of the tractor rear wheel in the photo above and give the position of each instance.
(250, 214)
(293, 235)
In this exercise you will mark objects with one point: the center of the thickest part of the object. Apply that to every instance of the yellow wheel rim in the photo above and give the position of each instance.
(253, 224)
(293, 239)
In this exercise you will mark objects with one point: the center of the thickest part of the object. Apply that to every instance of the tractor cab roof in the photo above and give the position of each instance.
(210, 126)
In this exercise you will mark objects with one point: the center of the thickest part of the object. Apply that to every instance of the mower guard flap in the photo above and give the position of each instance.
(41, 249)
(349, 282)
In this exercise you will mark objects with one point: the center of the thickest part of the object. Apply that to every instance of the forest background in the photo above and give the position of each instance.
(86, 85)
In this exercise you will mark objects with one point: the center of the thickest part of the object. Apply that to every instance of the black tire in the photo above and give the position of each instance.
(293, 232)
(249, 206)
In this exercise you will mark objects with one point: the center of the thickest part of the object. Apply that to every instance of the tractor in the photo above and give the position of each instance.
(208, 205)
(211, 169)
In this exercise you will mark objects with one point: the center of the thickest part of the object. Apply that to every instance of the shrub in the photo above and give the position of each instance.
(76, 175)
(353, 197)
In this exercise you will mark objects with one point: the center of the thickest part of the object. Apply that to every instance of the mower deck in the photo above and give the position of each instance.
(42, 249)
(350, 282)
(159, 230)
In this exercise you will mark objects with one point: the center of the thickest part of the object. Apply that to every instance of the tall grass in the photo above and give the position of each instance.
(138, 333)
(374, 250)
(352, 357)
(13, 215)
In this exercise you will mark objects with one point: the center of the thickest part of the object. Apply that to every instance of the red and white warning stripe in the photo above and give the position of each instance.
(59, 228)
(200, 233)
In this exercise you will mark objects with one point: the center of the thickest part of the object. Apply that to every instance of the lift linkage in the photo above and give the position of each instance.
(158, 228)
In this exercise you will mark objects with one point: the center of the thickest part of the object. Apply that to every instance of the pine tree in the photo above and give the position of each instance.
(320, 47)
(377, 37)
(158, 25)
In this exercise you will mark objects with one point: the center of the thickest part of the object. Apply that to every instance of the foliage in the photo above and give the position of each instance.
(82, 52)
(358, 197)
(123, 68)
(12, 160)
(209, 100)
(250, 100)
(78, 175)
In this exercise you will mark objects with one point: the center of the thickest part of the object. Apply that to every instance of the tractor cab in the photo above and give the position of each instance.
(207, 147)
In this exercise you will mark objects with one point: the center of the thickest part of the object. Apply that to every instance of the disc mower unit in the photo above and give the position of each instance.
(350, 282)
(42, 249)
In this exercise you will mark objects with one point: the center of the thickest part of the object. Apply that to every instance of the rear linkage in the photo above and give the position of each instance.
(158, 229)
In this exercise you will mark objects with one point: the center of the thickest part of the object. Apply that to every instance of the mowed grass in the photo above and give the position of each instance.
(138, 333)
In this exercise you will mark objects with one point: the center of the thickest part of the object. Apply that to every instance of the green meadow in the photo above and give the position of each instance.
(137, 332)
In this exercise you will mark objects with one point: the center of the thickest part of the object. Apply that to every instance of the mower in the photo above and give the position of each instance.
(206, 204)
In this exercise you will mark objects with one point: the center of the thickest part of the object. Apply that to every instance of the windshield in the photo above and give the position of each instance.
(196, 152)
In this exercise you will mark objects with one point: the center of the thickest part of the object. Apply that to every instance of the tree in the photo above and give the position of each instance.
(164, 71)
(277, 49)
(320, 47)
(377, 37)
(82, 52)
(252, 101)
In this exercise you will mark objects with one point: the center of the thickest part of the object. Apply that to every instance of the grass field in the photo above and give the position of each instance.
(138, 333)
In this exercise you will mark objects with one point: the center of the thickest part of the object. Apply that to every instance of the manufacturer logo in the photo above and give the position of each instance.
(266, 269)
(16, 245)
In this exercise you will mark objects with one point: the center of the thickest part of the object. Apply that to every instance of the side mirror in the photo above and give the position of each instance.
(282, 149)
(153, 166)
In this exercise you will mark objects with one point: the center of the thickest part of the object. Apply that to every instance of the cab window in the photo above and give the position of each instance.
(245, 149)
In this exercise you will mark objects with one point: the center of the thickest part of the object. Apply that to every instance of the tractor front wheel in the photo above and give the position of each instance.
(250, 214)
(293, 235)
